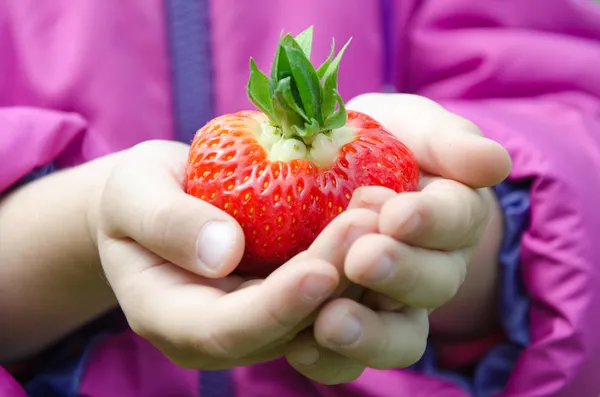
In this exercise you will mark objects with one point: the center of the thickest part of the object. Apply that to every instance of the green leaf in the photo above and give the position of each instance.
(306, 81)
(274, 68)
(325, 65)
(281, 66)
(330, 84)
(298, 99)
(281, 118)
(338, 118)
(286, 119)
(258, 90)
(285, 97)
(286, 109)
(304, 40)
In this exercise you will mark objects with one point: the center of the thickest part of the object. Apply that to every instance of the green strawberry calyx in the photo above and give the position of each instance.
(300, 101)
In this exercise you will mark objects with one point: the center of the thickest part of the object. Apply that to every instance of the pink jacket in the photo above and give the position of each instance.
(80, 79)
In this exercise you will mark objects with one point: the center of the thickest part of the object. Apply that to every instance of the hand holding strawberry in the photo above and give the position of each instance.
(286, 173)
(417, 260)
(152, 238)
(168, 256)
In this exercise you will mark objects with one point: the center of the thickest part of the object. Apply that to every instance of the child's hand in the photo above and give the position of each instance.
(167, 256)
(418, 259)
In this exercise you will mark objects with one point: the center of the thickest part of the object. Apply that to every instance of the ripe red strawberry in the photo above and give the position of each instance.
(286, 172)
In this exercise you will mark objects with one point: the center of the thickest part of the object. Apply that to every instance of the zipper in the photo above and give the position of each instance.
(188, 31)
(387, 11)
(188, 34)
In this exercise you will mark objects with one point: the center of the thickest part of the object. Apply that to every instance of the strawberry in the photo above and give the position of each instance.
(286, 171)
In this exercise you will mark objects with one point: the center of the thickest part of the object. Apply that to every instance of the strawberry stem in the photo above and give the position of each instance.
(299, 100)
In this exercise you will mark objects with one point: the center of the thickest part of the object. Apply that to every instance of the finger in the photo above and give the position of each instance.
(248, 320)
(410, 275)
(144, 200)
(370, 197)
(445, 215)
(253, 317)
(380, 302)
(381, 340)
(319, 364)
(444, 143)
(150, 287)
(333, 242)
(206, 322)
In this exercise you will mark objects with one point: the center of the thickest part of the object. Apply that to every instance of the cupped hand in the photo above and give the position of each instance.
(417, 260)
(168, 257)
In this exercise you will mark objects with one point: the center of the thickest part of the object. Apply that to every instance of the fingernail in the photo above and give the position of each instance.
(307, 357)
(214, 244)
(317, 288)
(381, 271)
(350, 332)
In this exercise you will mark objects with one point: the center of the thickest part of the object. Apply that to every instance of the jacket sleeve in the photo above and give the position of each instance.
(35, 140)
(526, 71)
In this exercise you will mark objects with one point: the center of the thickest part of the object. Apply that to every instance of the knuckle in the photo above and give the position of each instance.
(406, 281)
(281, 321)
(221, 346)
(465, 125)
(158, 224)
(424, 211)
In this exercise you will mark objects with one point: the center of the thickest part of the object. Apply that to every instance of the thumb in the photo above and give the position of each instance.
(143, 200)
